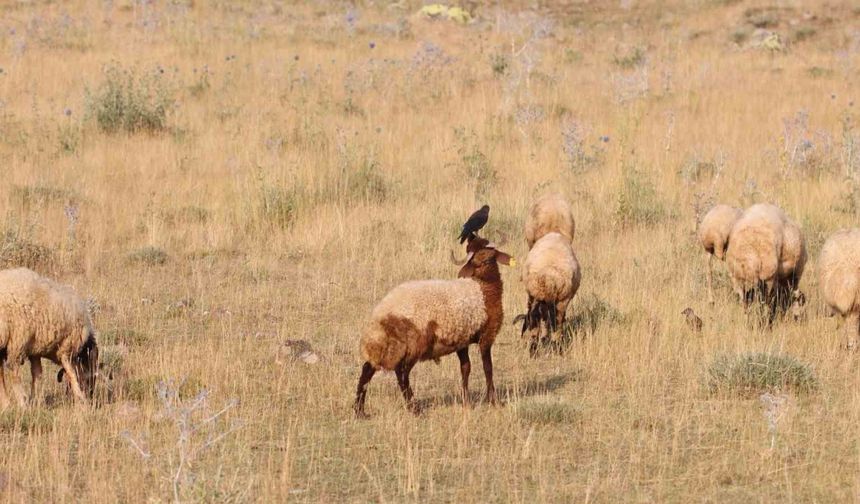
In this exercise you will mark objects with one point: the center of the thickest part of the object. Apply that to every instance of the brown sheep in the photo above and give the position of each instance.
(714, 236)
(424, 320)
(550, 213)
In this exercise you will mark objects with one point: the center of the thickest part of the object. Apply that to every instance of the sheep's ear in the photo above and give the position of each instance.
(505, 259)
(60, 374)
(467, 271)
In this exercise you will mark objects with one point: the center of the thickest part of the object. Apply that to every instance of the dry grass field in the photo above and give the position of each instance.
(221, 177)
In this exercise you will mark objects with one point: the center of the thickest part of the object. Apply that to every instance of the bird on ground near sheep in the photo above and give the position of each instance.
(476, 221)
(693, 320)
(302, 351)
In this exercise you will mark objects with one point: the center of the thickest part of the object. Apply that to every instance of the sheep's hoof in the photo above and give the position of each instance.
(358, 409)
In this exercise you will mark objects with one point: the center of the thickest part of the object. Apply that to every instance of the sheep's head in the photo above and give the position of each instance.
(86, 365)
(483, 260)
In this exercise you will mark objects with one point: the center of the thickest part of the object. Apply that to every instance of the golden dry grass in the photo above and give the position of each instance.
(307, 173)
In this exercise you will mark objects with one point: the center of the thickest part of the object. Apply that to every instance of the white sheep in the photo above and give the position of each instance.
(839, 279)
(714, 236)
(551, 275)
(424, 320)
(40, 318)
(766, 252)
(549, 213)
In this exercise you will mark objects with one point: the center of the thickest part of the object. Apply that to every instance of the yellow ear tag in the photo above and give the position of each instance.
(513, 263)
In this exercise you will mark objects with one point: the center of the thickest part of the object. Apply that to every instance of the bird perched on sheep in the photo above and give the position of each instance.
(766, 253)
(551, 275)
(423, 320)
(40, 318)
(474, 223)
(839, 279)
(714, 234)
(549, 213)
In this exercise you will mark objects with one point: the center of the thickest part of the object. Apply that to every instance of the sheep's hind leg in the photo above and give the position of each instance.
(852, 331)
(771, 297)
(709, 268)
(35, 375)
(402, 371)
(465, 369)
(487, 360)
(560, 316)
(367, 372)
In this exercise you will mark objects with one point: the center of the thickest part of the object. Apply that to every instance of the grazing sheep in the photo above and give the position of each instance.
(550, 213)
(839, 279)
(714, 236)
(552, 276)
(39, 319)
(423, 320)
(766, 253)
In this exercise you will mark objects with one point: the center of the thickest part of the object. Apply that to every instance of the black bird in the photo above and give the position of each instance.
(476, 221)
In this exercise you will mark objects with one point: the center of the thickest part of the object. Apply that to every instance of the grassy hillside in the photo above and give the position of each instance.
(222, 177)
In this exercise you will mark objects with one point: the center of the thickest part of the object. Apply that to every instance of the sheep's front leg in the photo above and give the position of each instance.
(35, 375)
(73, 379)
(367, 372)
(13, 380)
(402, 371)
(487, 360)
(465, 369)
(529, 308)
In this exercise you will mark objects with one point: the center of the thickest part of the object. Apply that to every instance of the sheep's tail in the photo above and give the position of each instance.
(373, 346)
(382, 343)
(747, 269)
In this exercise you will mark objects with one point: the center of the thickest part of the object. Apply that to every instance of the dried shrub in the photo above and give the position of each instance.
(148, 256)
(753, 373)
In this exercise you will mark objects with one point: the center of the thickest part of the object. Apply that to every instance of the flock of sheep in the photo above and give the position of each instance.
(765, 253)
(763, 248)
